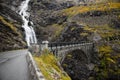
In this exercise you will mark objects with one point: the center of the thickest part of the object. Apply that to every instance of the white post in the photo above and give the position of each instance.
(45, 45)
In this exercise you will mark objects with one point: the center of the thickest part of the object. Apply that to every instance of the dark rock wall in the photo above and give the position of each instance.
(12, 4)
(46, 13)
(76, 65)
(72, 33)
(11, 33)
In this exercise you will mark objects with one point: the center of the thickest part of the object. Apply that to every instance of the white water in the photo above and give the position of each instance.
(29, 31)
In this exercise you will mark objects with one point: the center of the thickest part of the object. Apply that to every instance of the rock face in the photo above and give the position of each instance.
(12, 4)
(11, 32)
(73, 32)
(46, 13)
(49, 15)
(77, 66)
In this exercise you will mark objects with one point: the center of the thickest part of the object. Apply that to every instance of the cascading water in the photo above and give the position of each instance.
(29, 31)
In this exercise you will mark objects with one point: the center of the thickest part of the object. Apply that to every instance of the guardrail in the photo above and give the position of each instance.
(34, 70)
(59, 46)
(56, 47)
(53, 47)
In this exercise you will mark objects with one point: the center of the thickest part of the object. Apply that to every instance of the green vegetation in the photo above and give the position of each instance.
(49, 66)
(108, 63)
(58, 30)
(72, 28)
(84, 34)
(95, 7)
(105, 31)
(10, 36)
(55, 30)
(108, 66)
(9, 25)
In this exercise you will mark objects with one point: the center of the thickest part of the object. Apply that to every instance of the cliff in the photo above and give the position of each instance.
(11, 32)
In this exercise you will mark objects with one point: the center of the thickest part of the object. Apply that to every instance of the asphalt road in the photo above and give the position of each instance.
(13, 65)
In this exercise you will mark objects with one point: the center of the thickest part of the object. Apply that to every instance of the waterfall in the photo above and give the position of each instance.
(30, 36)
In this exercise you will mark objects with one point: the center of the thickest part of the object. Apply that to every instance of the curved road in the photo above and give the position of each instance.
(13, 65)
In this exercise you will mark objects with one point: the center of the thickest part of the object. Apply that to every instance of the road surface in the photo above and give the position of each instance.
(13, 65)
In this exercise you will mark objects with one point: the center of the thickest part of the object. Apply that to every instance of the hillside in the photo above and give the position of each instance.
(70, 22)
(11, 32)
(97, 21)
(50, 67)
(63, 15)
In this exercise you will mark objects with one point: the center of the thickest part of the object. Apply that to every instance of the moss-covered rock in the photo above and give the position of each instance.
(77, 66)
(11, 32)
(108, 69)
(50, 67)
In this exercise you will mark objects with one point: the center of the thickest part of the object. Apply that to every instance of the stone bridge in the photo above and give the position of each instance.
(62, 48)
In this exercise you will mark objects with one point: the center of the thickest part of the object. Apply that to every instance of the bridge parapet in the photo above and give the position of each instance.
(60, 49)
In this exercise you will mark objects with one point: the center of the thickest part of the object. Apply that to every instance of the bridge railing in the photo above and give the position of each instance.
(60, 49)
(61, 45)
(65, 44)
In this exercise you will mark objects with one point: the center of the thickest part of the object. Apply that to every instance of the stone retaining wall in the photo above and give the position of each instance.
(34, 70)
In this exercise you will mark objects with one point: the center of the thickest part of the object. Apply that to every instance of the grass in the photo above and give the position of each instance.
(108, 62)
(55, 30)
(58, 28)
(104, 31)
(84, 34)
(82, 9)
(48, 64)
(9, 25)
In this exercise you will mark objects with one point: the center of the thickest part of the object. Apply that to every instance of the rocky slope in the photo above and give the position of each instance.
(12, 4)
(47, 13)
(69, 21)
(65, 21)
(76, 63)
(50, 67)
(11, 32)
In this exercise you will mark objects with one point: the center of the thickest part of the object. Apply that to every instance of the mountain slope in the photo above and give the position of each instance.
(11, 32)
(70, 22)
